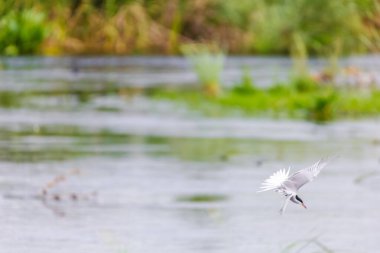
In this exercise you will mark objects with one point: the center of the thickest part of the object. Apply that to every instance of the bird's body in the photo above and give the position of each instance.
(288, 186)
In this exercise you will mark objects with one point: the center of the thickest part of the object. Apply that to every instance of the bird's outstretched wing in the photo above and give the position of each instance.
(275, 181)
(307, 175)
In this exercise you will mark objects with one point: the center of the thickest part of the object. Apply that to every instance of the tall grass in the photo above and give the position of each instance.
(208, 63)
(326, 27)
(321, 24)
(300, 57)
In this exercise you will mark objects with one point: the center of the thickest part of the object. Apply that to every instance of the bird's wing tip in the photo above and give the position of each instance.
(263, 190)
(275, 180)
(328, 159)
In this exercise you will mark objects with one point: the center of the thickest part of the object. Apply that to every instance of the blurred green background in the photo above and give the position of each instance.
(163, 26)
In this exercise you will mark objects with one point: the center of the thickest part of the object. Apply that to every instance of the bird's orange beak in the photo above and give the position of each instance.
(302, 204)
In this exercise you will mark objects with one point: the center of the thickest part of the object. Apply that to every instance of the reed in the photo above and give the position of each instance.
(207, 62)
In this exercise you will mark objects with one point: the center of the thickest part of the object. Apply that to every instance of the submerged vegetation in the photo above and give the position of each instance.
(145, 26)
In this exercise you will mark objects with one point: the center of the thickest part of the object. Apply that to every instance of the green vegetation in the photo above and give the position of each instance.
(323, 25)
(246, 86)
(208, 63)
(22, 32)
(302, 99)
(326, 27)
(10, 99)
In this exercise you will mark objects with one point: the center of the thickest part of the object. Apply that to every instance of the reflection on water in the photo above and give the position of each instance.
(156, 178)
(75, 72)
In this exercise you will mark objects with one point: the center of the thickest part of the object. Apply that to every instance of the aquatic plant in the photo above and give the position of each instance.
(207, 62)
(302, 98)
(246, 85)
(304, 84)
(322, 109)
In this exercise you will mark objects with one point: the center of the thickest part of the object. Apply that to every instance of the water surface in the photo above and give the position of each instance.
(149, 176)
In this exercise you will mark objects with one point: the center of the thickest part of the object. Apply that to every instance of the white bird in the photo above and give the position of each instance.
(288, 186)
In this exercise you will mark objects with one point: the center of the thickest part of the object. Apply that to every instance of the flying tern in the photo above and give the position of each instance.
(288, 185)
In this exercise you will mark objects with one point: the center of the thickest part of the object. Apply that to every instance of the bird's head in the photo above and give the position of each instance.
(300, 202)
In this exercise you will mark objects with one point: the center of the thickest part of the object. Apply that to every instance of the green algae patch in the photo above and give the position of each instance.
(202, 198)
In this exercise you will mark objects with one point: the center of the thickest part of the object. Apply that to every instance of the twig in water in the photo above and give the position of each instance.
(56, 181)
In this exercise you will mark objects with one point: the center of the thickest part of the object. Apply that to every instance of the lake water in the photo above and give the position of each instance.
(149, 176)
